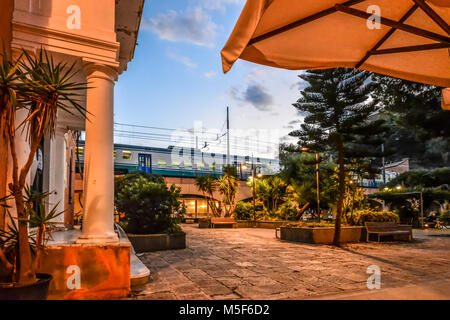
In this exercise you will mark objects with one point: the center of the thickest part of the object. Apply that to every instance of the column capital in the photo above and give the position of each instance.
(100, 71)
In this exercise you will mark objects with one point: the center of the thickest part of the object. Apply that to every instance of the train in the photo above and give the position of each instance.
(175, 161)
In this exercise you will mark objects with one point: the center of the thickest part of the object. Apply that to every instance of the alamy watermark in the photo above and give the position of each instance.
(374, 280)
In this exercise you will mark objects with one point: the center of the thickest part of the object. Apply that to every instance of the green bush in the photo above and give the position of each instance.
(424, 178)
(149, 205)
(368, 215)
(310, 225)
(287, 212)
(244, 211)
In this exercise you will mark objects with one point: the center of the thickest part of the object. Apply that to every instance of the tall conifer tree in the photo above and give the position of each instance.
(340, 118)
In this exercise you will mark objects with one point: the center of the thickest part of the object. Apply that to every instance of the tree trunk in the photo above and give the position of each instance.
(3, 168)
(27, 273)
(340, 204)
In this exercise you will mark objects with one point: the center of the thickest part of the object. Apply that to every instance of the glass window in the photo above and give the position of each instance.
(115, 154)
(162, 163)
(188, 165)
(202, 207)
(175, 164)
(190, 207)
(200, 165)
(127, 155)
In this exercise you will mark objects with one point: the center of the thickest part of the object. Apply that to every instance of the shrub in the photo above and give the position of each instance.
(287, 211)
(310, 225)
(244, 211)
(368, 215)
(149, 205)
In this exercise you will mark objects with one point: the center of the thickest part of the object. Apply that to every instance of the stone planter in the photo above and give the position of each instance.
(259, 224)
(204, 223)
(156, 242)
(320, 235)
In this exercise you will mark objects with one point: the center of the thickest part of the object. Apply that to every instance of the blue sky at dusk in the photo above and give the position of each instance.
(176, 76)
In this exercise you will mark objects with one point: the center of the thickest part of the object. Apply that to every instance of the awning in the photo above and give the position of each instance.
(408, 39)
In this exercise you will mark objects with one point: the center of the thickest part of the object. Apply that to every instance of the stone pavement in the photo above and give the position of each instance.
(253, 264)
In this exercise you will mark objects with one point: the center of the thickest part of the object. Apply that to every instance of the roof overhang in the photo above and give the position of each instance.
(128, 21)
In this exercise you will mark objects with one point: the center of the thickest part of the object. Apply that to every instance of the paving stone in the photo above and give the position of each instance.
(226, 264)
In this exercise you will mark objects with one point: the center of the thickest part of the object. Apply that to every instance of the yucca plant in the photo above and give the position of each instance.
(208, 185)
(42, 87)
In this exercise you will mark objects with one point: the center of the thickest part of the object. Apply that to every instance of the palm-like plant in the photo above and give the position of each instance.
(42, 87)
(207, 185)
(228, 186)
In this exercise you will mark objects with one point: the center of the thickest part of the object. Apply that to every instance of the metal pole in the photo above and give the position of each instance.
(318, 191)
(384, 169)
(228, 136)
(254, 191)
(421, 210)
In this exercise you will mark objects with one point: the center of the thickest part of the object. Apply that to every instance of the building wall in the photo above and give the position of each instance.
(6, 12)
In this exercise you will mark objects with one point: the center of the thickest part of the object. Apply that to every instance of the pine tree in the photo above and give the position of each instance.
(340, 118)
(421, 131)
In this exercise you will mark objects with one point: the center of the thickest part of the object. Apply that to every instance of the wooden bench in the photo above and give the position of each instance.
(388, 229)
(223, 222)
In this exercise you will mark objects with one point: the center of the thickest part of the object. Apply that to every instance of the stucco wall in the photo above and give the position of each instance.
(5, 23)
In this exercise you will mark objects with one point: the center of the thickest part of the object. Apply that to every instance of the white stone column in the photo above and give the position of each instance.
(57, 173)
(98, 204)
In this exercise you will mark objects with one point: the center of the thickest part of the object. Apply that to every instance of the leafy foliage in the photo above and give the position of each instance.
(40, 86)
(422, 178)
(208, 185)
(367, 215)
(420, 128)
(339, 117)
(149, 207)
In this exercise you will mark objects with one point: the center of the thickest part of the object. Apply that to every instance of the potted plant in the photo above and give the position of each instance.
(39, 222)
(37, 86)
(152, 212)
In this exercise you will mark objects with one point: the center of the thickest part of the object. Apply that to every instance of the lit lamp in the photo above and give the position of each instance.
(259, 175)
(399, 187)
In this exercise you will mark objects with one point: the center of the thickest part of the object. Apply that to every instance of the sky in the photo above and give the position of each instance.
(176, 81)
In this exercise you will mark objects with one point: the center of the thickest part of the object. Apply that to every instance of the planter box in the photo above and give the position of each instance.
(203, 223)
(157, 242)
(259, 224)
(320, 235)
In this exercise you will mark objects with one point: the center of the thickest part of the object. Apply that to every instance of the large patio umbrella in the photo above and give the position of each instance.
(410, 41)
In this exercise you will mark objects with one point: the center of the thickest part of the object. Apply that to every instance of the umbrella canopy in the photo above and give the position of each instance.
(408, 39)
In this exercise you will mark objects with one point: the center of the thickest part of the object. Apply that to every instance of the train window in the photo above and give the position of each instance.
(200, 165)
(115, 154)
(213, 166)
(162, 163)
(175, 164)
(188, 165)
(80, 151)
(127, 155)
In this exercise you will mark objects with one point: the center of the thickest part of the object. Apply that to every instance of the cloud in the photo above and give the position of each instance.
(210, 74)
(255, 94)
(182, 59)
(192, 26)
(218, 4)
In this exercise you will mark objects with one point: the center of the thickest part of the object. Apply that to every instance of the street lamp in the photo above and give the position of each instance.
(304, 149)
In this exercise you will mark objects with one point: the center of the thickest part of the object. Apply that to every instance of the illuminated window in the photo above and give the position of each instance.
(200, 166)
(202, 207)
(213, 166)
(115, 154)
(175, 164)
(188, 165)
(162, 163)
(80, 151)
(127, 155)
